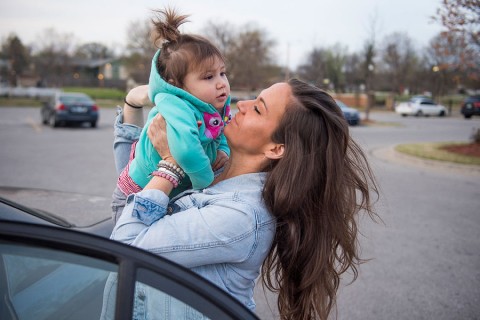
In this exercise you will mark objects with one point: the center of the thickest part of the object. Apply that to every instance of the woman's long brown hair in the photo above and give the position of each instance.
(315, 192)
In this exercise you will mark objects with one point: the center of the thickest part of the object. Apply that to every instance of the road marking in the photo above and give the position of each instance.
(34, 124)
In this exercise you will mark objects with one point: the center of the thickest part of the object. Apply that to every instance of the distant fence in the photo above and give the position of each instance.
(352, 100)
(27, 92)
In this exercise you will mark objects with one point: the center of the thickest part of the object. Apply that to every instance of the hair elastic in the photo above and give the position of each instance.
(131, 105)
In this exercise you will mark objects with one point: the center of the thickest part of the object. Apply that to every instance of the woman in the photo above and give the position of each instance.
(285, 203)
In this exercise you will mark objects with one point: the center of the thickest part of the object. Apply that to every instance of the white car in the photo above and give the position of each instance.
(420, 106)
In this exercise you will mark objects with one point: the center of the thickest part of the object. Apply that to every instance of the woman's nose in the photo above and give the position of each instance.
(243, 106)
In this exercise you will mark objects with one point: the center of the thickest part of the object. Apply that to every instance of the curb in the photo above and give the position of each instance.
(389, 154)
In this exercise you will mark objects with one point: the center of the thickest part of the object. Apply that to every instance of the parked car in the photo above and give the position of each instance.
(50, 271)
(64, 108)
(351, 115)
(420, 106)
(16, 205)
(471, 107)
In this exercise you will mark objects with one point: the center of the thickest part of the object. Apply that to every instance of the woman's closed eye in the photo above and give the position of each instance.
(256, 109)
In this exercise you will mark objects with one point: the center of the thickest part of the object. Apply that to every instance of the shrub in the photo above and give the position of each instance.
(98, 93)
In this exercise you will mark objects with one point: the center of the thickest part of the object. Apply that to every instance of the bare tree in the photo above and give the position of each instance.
(369, 54)
(461, 20)
(18, 57)
(352, 72)
(53, 53)
(248, 53)
(325, 67)
(250, 58)
(140, 50)
(461, 17)
(93, 50)
(399, 60)
(335, 66)
(222, 34)
(443, 60)
(314, 68)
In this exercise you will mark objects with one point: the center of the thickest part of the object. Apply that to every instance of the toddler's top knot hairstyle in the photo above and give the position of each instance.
(166, 27)
(180, 53)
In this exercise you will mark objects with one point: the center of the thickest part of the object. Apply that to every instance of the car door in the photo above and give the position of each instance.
(52, 273)
(429, 107)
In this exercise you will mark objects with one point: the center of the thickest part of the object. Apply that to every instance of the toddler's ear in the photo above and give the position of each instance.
(171, 82)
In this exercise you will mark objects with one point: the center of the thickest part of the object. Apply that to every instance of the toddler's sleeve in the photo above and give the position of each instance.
(184, 141)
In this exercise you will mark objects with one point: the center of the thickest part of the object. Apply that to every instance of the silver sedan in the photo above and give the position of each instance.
(420, 106)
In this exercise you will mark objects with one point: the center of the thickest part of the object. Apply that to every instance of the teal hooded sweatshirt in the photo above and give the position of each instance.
(193, 147)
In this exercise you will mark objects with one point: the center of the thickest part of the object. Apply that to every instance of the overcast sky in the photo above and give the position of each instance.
(297, 26)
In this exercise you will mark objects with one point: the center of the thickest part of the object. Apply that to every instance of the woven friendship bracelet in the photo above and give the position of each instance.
(131, 105)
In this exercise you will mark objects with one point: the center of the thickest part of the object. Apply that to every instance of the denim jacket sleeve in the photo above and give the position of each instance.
(217, 233)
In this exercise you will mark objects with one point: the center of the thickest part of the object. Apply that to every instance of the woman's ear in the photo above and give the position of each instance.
(275, 151)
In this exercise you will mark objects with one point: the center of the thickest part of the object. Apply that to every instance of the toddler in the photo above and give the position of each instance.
(188, 86)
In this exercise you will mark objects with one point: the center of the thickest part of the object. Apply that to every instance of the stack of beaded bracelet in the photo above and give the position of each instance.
(172, 167)
(169, 171)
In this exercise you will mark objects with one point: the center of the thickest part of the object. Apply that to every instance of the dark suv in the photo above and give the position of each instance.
(471, 107)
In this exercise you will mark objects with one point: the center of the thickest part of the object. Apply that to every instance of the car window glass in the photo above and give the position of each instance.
(49, 273)
(49, 284)
(73, 100)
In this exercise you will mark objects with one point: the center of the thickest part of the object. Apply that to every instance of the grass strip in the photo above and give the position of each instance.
(434, 151)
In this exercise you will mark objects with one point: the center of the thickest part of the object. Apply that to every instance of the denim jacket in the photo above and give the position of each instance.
(222, 232)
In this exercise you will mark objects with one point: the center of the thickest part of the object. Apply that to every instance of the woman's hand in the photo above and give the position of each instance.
(138, 96)
(157, 132)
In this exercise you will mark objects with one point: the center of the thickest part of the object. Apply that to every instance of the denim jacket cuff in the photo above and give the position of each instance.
(148, 205)
(125, 131)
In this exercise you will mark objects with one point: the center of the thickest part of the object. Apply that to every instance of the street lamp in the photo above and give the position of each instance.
(436, 80)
